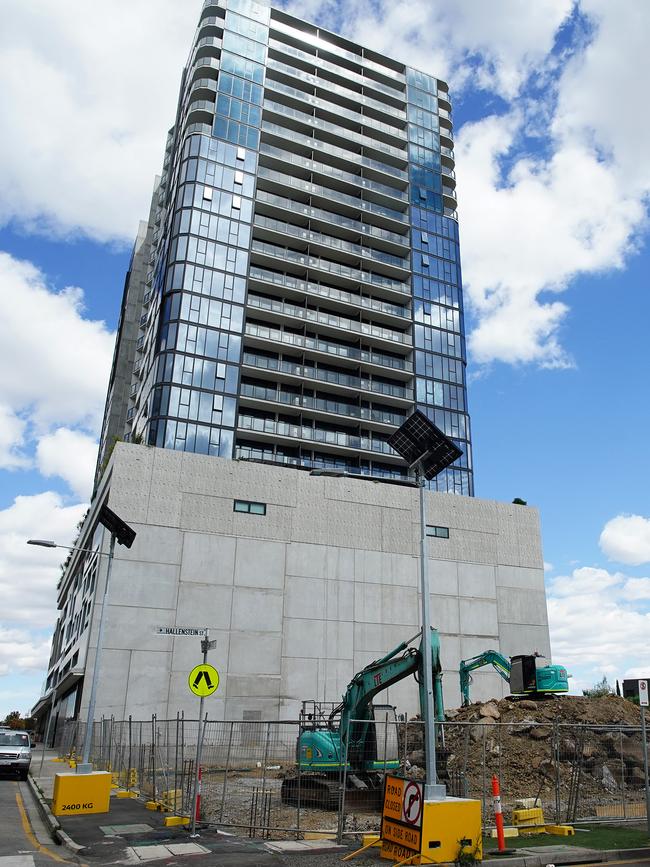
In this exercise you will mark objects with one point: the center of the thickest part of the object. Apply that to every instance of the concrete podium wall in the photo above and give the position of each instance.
(300, 599)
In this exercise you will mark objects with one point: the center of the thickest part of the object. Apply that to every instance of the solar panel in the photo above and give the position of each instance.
(419, 441)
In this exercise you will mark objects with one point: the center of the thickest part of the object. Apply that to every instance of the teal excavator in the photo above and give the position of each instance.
(358, 733)
(521, 672)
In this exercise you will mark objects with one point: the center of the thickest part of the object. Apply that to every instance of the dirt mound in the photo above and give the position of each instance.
(565, 747)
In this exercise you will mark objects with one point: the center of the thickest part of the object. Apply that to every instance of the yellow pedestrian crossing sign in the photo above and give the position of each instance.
(203, 679)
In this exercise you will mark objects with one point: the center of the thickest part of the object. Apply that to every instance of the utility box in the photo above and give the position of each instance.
(428, 831)
(78, 794)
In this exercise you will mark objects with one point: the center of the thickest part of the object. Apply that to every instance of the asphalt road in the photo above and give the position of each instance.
(24, 840)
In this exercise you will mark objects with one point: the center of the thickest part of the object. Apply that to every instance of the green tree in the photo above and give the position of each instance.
(14, 720)
(600, 689)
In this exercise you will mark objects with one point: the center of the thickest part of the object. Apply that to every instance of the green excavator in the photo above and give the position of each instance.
(521, 672)
(358, 734)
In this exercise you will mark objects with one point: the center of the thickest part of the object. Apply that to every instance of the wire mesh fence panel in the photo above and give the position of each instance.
(601, 772)
(262, 777)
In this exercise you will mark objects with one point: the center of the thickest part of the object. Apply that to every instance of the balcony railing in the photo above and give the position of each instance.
(307, 371)
(314, 434)
(308, 287)
(320, 344)
(334, 407)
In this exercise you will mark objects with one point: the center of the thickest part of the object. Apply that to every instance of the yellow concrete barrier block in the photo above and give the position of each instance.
(172, 821)
(78, 794)
(561, 830)
(371, 840)
(507, 832)
(318, 835)
(124, 794)
(528, 817)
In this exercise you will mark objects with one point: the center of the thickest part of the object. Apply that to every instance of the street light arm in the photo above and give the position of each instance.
(46, 543)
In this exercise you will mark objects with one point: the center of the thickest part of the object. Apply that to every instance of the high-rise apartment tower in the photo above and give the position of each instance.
(296, 292)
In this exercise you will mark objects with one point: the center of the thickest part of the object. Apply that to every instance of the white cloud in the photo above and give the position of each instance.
(71, 455)
(86, 95)
(20, 651)
(637, 589)
(595, 629)
(12, 432)
(55, 363)
(29, 575)
(626, 539)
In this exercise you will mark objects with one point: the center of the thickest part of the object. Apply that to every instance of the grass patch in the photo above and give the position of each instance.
(599, 837)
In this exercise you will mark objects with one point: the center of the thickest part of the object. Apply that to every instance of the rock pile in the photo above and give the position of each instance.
(539, 748)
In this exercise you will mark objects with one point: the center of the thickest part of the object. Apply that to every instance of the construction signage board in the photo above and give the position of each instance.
(643, 693)
(401, 823)
(203, 680)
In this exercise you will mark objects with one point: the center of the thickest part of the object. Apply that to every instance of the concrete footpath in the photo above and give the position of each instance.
(131, 834)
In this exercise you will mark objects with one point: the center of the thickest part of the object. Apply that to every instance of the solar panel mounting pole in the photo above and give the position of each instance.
(427, 451)
(432, 789)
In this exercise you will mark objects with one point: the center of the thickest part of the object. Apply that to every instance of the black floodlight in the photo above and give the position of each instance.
(124, 535)
(421, 443)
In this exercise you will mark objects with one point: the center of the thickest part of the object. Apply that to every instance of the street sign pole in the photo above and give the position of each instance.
(643, 701)
(205, 646)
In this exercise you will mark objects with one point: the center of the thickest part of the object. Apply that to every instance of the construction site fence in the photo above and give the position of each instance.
(574, 772)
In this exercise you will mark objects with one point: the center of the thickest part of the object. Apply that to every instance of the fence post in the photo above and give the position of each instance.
(343, 777)
(556, 755)
(130, 768)
(484, 769)
(225, 776)
(298, 771)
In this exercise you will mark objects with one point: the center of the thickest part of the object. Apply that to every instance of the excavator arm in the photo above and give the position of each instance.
(356, 722)
(500, 663)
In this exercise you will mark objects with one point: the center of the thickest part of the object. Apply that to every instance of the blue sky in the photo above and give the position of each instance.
(553, 181)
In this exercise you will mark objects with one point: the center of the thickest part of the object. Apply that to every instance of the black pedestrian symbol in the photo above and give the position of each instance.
(202, 675)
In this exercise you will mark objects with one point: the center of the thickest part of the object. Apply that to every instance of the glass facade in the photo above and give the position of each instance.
(302, 291)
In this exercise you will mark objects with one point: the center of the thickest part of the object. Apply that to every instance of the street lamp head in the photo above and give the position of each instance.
(42, 543)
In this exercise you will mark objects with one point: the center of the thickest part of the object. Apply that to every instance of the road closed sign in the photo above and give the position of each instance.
(643, 693)
(401, 825)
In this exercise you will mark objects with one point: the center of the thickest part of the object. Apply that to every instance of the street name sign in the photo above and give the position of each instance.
(192, 631)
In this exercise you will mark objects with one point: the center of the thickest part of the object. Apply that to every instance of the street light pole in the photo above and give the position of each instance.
(85, 767)
(432, 789)
(123, 535)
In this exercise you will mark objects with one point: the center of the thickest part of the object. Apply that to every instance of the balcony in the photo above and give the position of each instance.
(281, 181)
(346, 383)
(275, 230)
(338, 132)
(323, 103)
(331, 171)
(341, 76)
(284, 258)
(260, 395)
(288, 312)
(324, 438)
(332, 89)
(261, 278)
(293, 137)
(379, 238)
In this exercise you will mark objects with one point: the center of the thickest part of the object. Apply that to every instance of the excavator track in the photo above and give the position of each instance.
(311, 790)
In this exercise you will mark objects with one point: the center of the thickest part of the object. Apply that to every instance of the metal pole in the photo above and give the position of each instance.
(432, 789)
(205, 643)
(47, 730)
(85, 767)
(645, 768)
